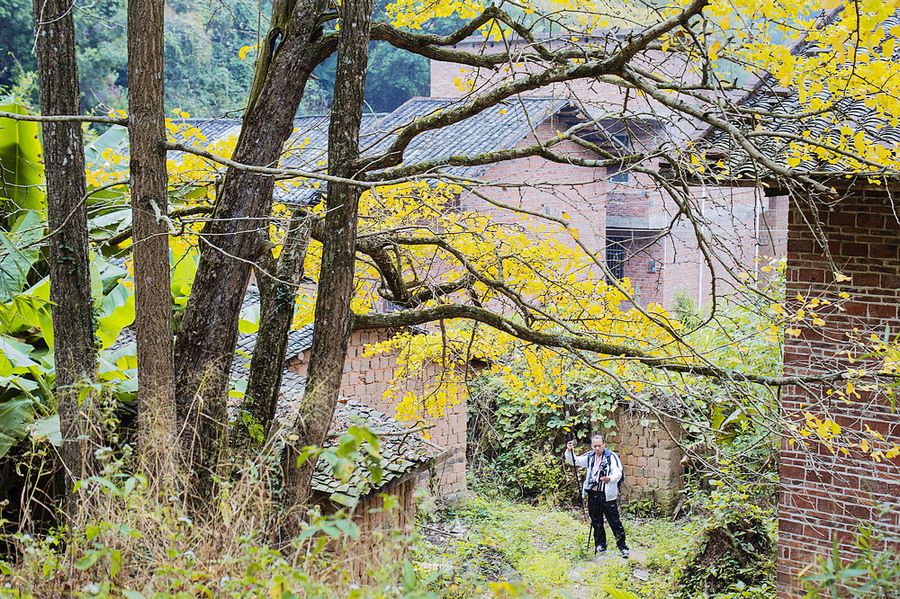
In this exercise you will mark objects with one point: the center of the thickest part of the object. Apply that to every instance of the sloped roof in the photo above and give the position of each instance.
(778, 108)
(499, 127)
(403, 453)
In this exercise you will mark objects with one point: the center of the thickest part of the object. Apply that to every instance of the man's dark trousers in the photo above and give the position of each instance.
(598, 507)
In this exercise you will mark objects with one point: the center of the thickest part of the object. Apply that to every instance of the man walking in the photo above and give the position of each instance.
(604, 471)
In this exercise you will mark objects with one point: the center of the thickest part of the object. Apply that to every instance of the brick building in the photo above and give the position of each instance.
(630, 216)
(621, 215)
(826, 494)
(843, 264)
(366, 379)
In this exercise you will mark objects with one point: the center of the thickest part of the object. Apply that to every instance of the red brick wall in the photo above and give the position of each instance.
(824, 495)
(366, 379)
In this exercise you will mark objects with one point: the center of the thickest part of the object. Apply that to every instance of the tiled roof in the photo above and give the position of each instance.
(496, 128)
(403, 453)
(769, 97)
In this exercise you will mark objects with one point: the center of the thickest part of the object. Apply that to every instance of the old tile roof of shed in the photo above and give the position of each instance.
(768, 98)
(496, 128)
(403, 453)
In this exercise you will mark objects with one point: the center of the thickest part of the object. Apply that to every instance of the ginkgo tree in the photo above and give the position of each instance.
(676, 58)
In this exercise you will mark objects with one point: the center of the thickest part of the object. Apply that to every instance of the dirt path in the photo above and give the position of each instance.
(581, 589)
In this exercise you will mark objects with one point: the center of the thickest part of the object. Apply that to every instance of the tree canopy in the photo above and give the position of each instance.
(507, 283)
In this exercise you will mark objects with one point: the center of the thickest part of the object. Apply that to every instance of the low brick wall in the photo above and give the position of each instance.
(651, 456)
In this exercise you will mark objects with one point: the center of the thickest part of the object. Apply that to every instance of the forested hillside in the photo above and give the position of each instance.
(207, 73)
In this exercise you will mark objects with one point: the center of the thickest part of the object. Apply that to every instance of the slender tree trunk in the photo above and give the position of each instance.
(150, 233)
(70, 278)
(277, 292)
(332, 318)
(234, 238)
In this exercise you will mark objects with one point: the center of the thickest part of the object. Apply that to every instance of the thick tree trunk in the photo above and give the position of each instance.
(70, 278)
(150, 234)
(277, 292)
(333, 316)
(234, 238)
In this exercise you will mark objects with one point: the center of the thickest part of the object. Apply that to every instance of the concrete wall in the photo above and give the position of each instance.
(367, 379)
(824, 494)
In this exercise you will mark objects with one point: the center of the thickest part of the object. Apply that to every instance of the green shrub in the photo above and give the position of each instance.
(733, 551)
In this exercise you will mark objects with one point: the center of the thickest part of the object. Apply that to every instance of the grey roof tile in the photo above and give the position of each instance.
(497, 128)
(401, 452)
(768, 97)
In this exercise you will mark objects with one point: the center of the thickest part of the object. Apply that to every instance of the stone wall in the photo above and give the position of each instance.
(651, 455)
(826, 493)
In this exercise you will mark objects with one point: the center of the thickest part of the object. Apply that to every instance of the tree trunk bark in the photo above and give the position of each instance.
(234, 238)
(70, 278)
(277, 293)
(150, 233)
(333, 316)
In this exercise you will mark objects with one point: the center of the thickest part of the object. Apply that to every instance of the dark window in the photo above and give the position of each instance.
(615, 258)
(617, 175)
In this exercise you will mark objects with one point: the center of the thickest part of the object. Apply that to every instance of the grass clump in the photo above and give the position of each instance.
(732, 553)
(128, 538)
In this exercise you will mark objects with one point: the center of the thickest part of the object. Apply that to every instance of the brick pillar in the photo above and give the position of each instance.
(650, 456)
(825, 494)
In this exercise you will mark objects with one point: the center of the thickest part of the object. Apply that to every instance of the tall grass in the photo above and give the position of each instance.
(126, 538)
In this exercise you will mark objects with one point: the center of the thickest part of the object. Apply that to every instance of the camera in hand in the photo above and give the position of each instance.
(602, 471)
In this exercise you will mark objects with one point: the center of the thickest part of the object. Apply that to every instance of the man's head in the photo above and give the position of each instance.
(597, 444)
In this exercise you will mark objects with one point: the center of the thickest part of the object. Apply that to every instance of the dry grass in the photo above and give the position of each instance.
(125, 537)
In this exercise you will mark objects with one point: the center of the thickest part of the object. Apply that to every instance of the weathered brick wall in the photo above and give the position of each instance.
(547, 188)
(367, 379)
(824, 495)
(376, 545)
(733, 215)
(651, 454)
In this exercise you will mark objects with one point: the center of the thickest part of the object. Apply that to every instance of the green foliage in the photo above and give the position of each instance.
(16, 39)
(524, 440)
(205, 74)
(22, 175)
(127, 539)
(394, 76)
(875, 574)
(733, 552)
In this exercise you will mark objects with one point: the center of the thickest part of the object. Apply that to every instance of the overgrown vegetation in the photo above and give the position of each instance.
(492, 541)
(128, 538)
(732, 552)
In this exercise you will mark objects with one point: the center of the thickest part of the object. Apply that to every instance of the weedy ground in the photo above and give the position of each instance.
(487, 546)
